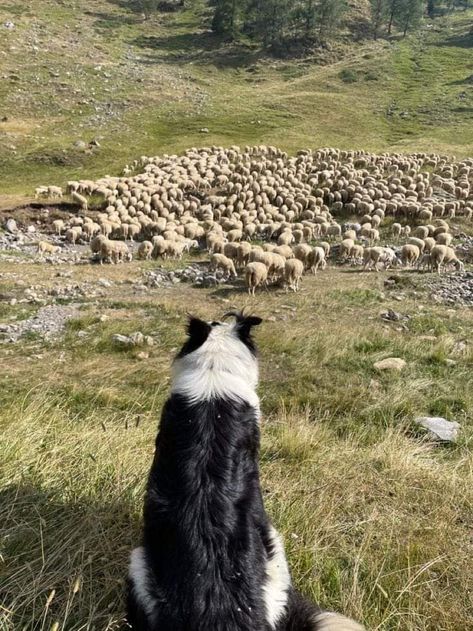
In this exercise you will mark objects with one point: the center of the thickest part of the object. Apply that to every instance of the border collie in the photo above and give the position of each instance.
(210, 560)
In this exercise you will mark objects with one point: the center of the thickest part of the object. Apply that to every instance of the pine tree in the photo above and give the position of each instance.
(148, 7)
(378, 15)
(392, 7)
(226, 17)
(329, 13)
(410, 14)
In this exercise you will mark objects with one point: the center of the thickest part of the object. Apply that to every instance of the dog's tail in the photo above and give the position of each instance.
(328, 621)
(304, 616)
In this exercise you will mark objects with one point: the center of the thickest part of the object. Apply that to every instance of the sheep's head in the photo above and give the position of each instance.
(218, 359)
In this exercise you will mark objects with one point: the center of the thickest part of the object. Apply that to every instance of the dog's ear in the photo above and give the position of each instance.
(244, 326)
(198, 332)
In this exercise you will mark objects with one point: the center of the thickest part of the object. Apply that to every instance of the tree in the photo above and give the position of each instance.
(392, 7)
(378, 15)
(226, 17)
(148, 7)
(410, 14)
(329, 13)
(431, 7)
(270, 20)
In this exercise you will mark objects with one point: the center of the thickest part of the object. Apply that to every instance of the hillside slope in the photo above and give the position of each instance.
(82, 71)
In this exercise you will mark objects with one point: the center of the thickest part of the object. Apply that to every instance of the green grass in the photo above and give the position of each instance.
(375, 518)
(149, 87)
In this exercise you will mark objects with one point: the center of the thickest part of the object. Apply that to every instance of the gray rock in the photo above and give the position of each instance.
(104, 282)
(122, 340)
(11, 226)
(439, 428)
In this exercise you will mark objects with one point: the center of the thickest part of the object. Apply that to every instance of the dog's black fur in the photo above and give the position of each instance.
(206, 533)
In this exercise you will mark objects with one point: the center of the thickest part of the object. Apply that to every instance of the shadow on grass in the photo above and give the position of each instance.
(112, 21)
(456, 41)
(204, 47)
(51, 541)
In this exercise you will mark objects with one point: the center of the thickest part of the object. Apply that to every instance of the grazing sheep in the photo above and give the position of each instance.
(220, 261)
(302, 253)
(346, 248)
(47, 248)
(58, 225)
(444, 238)
(409, 254)
(96, 245)
(396, 230)
(73, 234)
(317, 259)
(444, 255)
(81, 200)
(256, 274)
(145, 250)
(293, 271)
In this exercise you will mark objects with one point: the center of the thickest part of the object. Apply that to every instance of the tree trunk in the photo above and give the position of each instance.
(391, 18)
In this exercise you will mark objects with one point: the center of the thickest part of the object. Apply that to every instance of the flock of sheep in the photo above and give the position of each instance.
(273, 217)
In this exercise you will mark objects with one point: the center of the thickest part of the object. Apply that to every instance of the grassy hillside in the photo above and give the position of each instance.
(377, 520)
(94, 70)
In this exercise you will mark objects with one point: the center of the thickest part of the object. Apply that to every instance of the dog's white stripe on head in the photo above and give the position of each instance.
(278, 581)
(223, 366)
(138, 572)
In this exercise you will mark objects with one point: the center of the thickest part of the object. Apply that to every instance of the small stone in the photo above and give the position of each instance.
(104, 318)
(142, 355)
(450, 362)
(428, 338)
(271, 319)
(13, 302)
(439, 428)
(390, 363)
(104, 282)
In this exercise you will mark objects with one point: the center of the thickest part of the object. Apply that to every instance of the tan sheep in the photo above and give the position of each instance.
(256, 274)
(409, 254)
(443, 255)
(302, 253)
(346, 248)
(80, 199)
(73, 234)
(317, 258)
(58, 225)
(145, 250)
(47, 248)
(293, 271)
(220, 261)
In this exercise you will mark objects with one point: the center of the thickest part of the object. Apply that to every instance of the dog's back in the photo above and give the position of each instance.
(210, 558)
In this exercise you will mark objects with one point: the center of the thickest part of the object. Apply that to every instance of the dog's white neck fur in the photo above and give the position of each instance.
(222, 367)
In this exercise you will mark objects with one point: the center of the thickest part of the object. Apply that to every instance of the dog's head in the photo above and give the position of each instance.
(218, 358)
(218, 336)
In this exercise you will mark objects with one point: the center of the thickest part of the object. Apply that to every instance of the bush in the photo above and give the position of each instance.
(348, 76)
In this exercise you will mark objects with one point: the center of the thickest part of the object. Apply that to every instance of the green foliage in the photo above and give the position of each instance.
(378, 10)
(148, 7)
(409, 14)
(347, 75)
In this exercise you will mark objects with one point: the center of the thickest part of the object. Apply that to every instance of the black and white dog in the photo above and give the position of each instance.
(210, 559)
